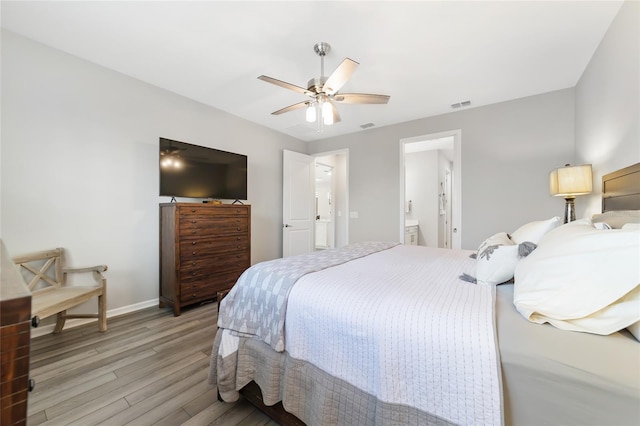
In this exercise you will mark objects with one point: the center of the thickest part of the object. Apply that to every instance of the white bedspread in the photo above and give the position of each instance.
(400, 325)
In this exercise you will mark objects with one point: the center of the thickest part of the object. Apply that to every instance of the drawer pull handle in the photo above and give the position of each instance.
(35, 321)
(194, 295)
(193, 263)
(193, 243)
(193, 253)
(31, 385)
(239, 247)
(193, 210)
(238, 228)
(193, 221)
(238, 238)
(193, 273)
(193, 232)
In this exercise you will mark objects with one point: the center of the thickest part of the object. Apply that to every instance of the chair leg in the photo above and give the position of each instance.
(102, 312)
(60, 322)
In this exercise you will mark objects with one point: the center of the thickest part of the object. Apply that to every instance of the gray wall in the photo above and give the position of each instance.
(508, 150)
(608, 104)
(79, 165)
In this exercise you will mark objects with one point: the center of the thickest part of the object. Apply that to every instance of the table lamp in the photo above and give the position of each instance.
(568, 182)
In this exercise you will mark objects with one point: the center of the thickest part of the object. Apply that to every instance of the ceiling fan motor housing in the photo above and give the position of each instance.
(315, 84)
(322, 48)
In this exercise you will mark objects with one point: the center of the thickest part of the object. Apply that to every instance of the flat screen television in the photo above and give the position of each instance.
(194, 171)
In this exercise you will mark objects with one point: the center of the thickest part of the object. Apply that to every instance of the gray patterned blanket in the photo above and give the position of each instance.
(256, 306)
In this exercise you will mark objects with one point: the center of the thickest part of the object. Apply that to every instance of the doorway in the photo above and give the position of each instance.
(332, 200)
(325, 221)
(430, 200)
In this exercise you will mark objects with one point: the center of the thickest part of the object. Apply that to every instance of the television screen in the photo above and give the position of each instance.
(194, 171)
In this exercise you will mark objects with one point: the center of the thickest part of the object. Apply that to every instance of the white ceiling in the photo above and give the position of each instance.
(426, 55)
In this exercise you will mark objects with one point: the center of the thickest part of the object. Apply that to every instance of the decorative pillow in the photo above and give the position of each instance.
(630, 226)
(581, 278)
(534, 231)
(496, 259)
(616, 219)
(602, 225)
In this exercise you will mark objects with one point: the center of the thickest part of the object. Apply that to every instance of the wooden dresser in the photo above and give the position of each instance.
(203, 249)
(15, 334)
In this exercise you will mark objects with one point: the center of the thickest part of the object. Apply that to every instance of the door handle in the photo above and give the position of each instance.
(286, 225)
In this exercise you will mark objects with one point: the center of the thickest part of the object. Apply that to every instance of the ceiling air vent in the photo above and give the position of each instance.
(367, 125)
(461, 104)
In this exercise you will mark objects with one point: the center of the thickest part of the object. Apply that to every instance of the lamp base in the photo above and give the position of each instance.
(569, 209)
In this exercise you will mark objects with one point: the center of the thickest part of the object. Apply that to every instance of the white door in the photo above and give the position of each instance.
(298, 203)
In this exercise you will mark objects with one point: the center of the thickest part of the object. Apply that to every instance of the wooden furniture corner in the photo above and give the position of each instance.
(15, 338)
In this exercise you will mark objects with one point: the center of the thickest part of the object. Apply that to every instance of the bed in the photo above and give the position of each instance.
(358, 351)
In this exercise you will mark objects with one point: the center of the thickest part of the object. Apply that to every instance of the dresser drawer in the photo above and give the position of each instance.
(211, 226)
(208, 288)
(197, 294)
(210, 247)
(205, 263)
(197, 269)
(208, 211)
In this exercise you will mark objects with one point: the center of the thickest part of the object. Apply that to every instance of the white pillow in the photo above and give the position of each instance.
(631, 226)
(618, 218)
(581, 278)
(496, 260)
(534, 231)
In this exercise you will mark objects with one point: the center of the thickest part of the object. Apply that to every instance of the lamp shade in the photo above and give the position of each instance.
(327, 113)
(310, 114)
(570, 181)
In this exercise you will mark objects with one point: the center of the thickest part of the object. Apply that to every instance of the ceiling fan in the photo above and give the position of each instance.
(323, 91)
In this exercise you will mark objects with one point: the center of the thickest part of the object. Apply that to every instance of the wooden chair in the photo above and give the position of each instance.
(46, 275)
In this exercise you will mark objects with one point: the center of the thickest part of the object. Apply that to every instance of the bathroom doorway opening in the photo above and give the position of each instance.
(331, 200)
(430, 190)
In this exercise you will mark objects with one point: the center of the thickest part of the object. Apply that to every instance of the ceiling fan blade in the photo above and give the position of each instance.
(336, 114)
(286, 85)
(291, 108)
(339, 77)
(361, 98)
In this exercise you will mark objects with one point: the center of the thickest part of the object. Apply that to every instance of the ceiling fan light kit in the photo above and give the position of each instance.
(323, 91)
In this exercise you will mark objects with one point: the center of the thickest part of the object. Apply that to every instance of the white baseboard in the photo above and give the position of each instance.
(70, 323)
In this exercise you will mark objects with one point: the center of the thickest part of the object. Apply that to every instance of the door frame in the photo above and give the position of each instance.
(456, 177)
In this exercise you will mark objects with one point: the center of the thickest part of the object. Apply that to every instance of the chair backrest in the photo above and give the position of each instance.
(42, 269)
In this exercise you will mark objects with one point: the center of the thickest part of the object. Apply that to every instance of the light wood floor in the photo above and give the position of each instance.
(149, 368)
